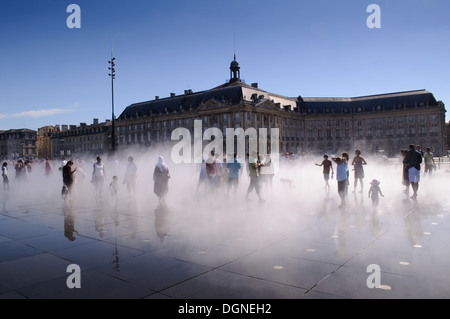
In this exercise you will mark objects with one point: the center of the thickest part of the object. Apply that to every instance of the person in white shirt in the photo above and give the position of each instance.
(98, 177)
(131, 175)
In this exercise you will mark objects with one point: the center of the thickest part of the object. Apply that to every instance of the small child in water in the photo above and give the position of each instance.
(374, 191)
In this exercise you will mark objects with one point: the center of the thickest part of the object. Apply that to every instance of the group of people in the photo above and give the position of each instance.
(412, 160)
(413, 157)
(215, 172)
(342, 175)
(161, 177)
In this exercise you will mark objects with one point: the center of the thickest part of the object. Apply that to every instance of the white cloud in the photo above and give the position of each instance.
(35, 113)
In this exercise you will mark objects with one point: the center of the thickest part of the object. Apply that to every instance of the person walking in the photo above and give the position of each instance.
(233, 166)
(413, 159)
(211, 169)
(429, 161)
(405, 173)
(327, 167)
(374, 191)
(161, 177)
(253, 165)
(131, 176)
(68, 179)
(5, 175)
(48, 167)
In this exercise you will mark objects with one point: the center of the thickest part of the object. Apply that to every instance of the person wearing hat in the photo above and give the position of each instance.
(374, 191)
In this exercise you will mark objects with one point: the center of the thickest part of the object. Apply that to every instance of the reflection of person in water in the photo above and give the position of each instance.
(100, 222)
(69, 223)
(162, 221)
(414, 230)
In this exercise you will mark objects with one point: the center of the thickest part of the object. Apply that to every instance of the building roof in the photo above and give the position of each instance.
(388, 101)
(236, 92)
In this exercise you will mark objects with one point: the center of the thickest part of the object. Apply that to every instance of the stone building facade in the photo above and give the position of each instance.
(378, 123)
(18, 143)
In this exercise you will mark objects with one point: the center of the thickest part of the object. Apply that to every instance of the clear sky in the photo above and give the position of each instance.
(52, 74)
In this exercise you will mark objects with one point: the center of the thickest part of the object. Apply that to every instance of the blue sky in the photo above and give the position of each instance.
(55, 75)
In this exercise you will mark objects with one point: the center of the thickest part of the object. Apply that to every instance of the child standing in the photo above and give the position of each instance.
(374, 191)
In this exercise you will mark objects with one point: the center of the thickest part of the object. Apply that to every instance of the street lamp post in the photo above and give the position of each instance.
(113, 76)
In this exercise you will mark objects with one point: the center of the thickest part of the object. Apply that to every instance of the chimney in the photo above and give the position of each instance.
(95, 121)
(172, 94)
(156, 98)
(255, 85)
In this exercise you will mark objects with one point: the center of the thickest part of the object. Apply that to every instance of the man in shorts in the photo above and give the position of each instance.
(413, 159)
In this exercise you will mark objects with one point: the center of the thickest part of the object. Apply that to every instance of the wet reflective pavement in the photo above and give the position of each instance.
(192, 248)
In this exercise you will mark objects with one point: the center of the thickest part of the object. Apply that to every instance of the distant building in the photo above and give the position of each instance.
(18, 143)
(385, 122)
(447, 126)
(72, 141)
(44, 140)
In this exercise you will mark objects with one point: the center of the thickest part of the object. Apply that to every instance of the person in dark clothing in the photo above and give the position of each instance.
(161, 178)
(413, 159)
(68, 178)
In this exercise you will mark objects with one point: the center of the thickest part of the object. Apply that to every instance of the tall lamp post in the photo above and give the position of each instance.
(113, 76)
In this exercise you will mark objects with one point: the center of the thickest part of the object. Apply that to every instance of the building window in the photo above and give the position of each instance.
(379, 132)
(434, 128)
(422, 129)
(236, 117)
(411, 119)
(411, 130)
(224, 117)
